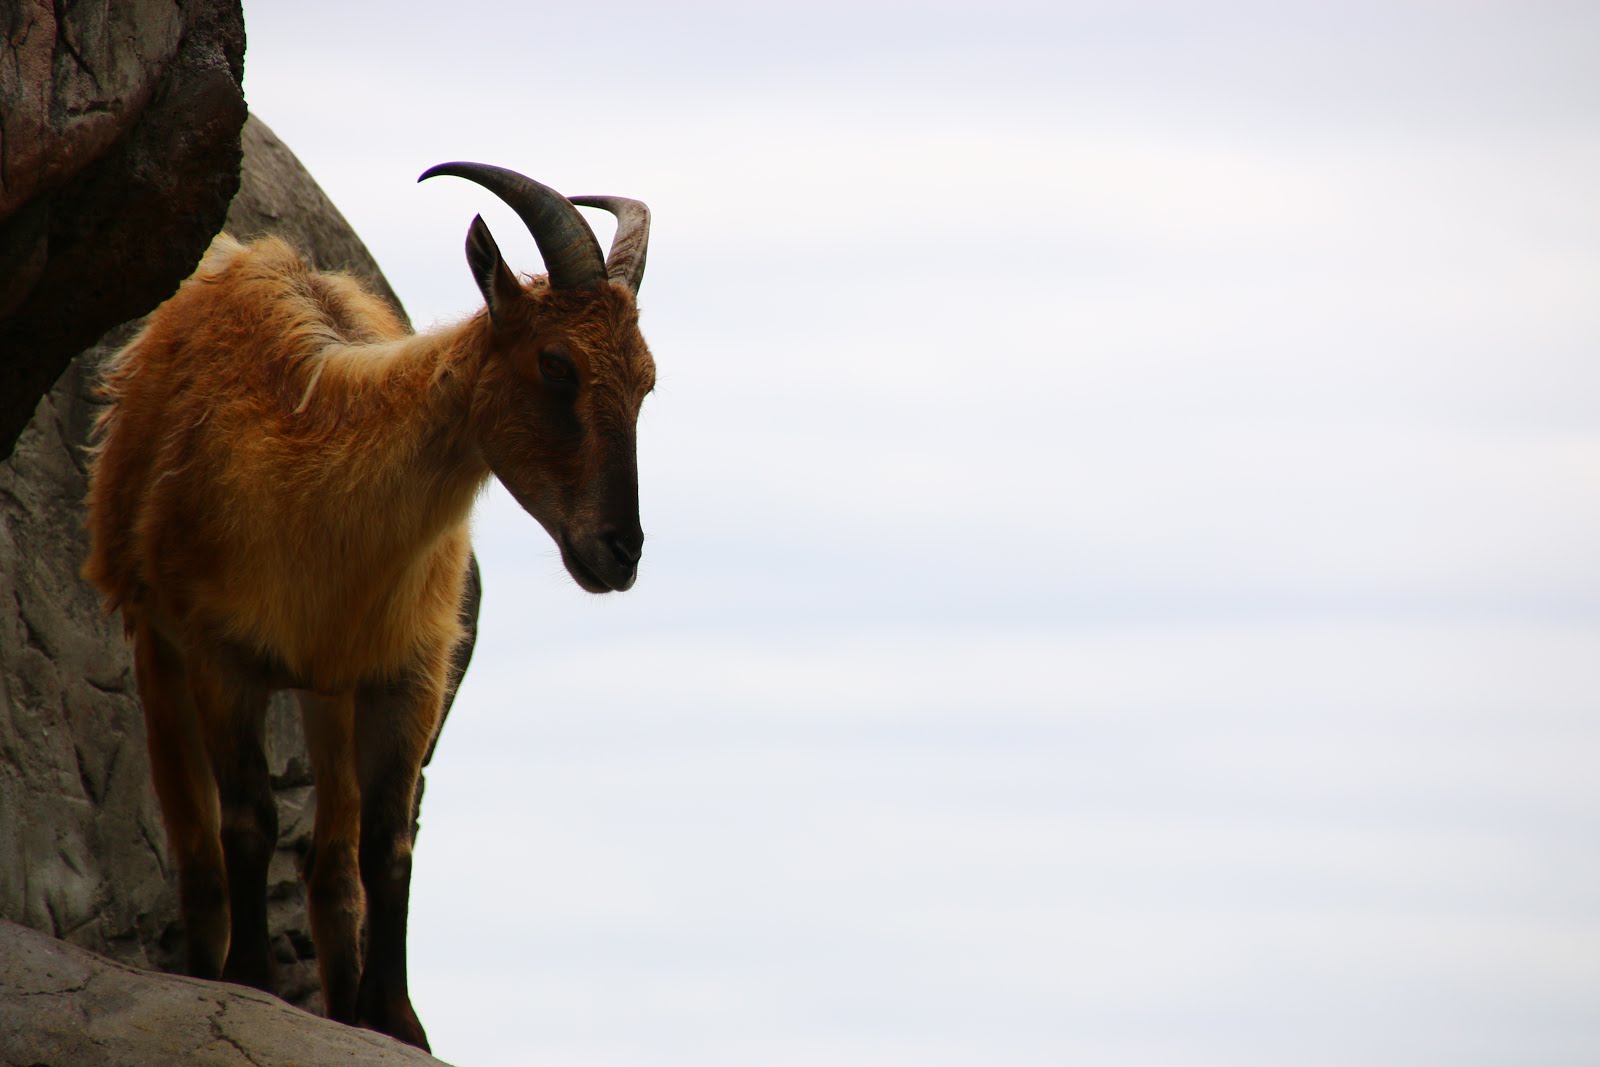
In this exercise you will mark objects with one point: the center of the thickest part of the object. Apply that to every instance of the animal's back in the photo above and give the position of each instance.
(207, 406)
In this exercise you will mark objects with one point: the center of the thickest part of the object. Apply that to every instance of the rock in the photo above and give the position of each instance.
(82, 852)
(82, 848)
(119, 153)
(61, 1006)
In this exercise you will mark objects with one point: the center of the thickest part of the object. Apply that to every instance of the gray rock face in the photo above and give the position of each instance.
(82, 848)
(63, 1007)
(81, 845)
(119, 153)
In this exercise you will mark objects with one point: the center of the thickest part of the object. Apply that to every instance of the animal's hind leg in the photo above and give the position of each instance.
(181, 771)
(233, 719)
(334, 897)
(395, 725)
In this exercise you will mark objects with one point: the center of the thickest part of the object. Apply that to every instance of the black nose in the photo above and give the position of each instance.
(626, 545)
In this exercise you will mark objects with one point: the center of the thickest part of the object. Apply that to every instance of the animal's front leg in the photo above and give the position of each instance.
(187, 789)
(232, 713)
(334, 897)
(395, 725)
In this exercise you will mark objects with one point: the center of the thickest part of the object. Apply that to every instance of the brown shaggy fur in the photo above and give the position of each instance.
(279, 499)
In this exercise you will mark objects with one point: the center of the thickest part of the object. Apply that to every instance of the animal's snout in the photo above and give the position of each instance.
(625, 546)
(605, 561)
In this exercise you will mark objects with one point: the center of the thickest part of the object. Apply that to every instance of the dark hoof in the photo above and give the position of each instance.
(394, 1016)
(253, 969)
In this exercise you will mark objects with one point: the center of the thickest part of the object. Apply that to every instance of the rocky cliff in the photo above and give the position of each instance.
(82, 850)
(123, 146)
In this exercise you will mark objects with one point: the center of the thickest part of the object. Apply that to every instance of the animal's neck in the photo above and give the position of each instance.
(417, 450)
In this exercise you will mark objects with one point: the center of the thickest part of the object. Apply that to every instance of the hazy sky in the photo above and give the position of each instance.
(1123, 500)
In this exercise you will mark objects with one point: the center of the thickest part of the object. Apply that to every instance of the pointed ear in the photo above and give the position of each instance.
(495, 280)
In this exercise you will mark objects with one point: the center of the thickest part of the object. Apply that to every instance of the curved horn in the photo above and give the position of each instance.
(571, 253)
(625, 264)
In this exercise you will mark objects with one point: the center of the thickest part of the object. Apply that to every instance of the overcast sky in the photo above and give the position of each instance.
(1123, 506)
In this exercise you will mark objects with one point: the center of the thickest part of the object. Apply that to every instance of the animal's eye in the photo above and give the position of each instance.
(556, 366)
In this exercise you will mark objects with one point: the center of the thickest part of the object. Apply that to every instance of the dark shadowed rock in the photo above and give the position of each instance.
(63, 1007)
(119, 153)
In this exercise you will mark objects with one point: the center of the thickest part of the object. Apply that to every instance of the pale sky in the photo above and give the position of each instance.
(1123, 506)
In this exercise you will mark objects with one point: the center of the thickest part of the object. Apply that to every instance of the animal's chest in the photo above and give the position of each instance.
(331, 617)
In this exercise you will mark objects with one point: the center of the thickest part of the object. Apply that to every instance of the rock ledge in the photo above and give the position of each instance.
(62, 1006)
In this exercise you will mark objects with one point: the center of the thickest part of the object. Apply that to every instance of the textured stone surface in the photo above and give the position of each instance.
(69, 87)
(119, 153)
(82, 849)
(63, 1007)
(81, 852)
